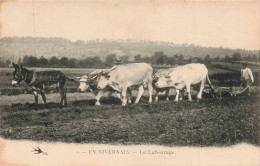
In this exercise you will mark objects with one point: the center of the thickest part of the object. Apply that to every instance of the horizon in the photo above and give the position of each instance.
(232, 25)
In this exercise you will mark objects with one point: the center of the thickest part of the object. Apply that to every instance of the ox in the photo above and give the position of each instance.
(90, 83)
(39, 80)
(185, 75)
(124, 76)
(161, 73)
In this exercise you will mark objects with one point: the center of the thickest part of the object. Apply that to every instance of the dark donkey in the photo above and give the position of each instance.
(39, 80)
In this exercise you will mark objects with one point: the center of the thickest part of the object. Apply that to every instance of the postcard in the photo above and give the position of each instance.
(124, 82)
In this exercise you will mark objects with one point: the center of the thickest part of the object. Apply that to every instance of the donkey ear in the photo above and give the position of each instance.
(15, 66)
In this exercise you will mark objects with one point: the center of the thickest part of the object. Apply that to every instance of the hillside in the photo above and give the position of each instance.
(13, 47)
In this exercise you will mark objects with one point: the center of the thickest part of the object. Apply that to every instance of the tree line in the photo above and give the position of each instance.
(13, 47)
(158, 58)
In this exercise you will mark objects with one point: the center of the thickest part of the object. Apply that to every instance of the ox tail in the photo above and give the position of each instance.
(209, 81)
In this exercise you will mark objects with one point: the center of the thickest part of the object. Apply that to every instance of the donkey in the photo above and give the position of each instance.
(39, 80)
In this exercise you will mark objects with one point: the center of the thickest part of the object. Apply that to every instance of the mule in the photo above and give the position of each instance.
(39, 80)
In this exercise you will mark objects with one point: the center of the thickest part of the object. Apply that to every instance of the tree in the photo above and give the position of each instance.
(227, 58)
(125, 58)
(176, 57)
(171, 61)
(159, 58)
(64, 61)
(180, 59)
(25, 60)
(54, 61)
(91, 62)
(199, 60)
(110, 60)
(72, 62)
(43, 62)
(217, 59)
(248, 58)
(207, 61)
(97, 62)
(19, 62)
(236, 57)
(32, 61)
(7, 62)
(189, 60)
(1, 63)
(138, 58)
(254, 58)
(146, 59)
(207, 58)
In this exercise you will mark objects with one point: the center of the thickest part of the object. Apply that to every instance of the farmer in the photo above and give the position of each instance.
(246, 77)
(118, 62)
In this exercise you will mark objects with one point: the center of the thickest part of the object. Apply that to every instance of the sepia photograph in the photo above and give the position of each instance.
(148, 82)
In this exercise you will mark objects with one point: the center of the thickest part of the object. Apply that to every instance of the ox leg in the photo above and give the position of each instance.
(181, 94)
(35, 93)
(63, 97)
(150, 89)
(129, 95)
(61, 93)
(140, 93)
(177, 95)
(188, 91)
(43, 97)
(124, 100)
(167, 94)
(99, 95)
(156, 94)
(201, 89)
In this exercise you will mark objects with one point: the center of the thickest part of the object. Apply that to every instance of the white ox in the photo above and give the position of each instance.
(161, 73)
(90, 83)
(125, 76)
(185, 75)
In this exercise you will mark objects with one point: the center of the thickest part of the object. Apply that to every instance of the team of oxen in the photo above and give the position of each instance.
(120, 79)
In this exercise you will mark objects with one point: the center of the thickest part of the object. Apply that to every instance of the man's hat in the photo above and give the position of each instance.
(118, 61)
(245, 64)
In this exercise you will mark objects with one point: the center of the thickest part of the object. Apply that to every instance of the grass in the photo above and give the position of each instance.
(237, 66)
(208, 122)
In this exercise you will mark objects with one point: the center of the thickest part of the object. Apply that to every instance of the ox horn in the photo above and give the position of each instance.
(76, 77)
(104, 73)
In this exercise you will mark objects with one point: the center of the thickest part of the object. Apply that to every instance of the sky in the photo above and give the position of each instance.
(214, 24)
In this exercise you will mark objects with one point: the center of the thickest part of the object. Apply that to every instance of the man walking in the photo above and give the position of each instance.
(246, 77)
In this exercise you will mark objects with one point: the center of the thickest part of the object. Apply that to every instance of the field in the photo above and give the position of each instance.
(206, 122)
(231, 71)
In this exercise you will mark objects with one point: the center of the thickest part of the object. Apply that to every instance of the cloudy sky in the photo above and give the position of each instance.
(226, 24)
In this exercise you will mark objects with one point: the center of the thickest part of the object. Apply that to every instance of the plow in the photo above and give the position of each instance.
(221, 92)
